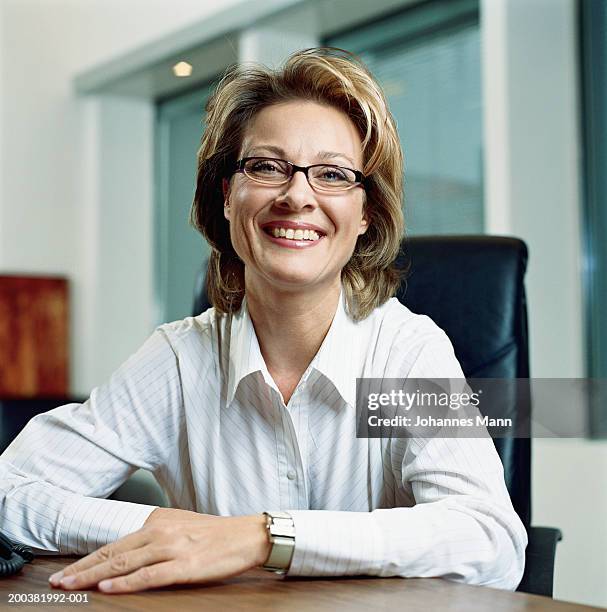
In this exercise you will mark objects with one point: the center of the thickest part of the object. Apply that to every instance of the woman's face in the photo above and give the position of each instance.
(304, 133)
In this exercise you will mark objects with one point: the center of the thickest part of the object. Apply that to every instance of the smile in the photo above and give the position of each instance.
(291, 234)
(293, 238)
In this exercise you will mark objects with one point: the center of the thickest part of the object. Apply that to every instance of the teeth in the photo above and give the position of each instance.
(291, 234)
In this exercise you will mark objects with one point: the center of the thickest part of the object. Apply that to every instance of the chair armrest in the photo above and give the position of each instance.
(539, 560)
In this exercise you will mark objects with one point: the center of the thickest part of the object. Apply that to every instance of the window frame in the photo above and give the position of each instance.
(592, 28)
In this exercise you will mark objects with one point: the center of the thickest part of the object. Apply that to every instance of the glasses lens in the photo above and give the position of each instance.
(332, 178)
(271, 171)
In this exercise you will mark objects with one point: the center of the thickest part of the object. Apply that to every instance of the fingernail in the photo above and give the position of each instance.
(68, 581)
(105, 585)
(55, 578)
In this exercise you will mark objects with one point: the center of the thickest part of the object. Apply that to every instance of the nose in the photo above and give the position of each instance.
(298, 193)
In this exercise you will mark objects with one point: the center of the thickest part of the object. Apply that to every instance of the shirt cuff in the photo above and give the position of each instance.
(335, 543)
(89, 523)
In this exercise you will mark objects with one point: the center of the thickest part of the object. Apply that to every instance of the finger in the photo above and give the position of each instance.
(120, 564)
(105, 553)
(148, 577)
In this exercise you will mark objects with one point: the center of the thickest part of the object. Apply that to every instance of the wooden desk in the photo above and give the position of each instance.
(259, 590)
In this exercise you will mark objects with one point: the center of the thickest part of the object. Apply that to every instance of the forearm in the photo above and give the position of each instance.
(463, 540)
(440, 539)
(51, 519)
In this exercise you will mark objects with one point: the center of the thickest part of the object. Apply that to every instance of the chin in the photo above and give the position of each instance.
(294, 281)
(290, 279)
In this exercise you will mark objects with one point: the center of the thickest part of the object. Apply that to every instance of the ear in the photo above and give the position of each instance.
(225, 185)
(364, 225)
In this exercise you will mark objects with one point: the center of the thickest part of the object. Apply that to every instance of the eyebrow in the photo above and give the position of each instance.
(280, 151)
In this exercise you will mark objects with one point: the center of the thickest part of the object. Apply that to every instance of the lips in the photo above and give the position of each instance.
(294, 225)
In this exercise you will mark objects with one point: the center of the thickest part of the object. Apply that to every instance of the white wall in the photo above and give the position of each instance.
(532, 132)
(58, 213)
(570, 491)
(75, 199)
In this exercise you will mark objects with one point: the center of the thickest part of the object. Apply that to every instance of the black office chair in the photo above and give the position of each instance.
(473, 288)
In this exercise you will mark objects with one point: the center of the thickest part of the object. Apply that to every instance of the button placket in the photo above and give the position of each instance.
(300, 426)
(297, 438)
(282, 452)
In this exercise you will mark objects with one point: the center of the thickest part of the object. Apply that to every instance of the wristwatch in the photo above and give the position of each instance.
(281, 531)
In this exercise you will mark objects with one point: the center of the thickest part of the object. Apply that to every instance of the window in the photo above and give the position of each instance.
(180, 249)
(427, 59)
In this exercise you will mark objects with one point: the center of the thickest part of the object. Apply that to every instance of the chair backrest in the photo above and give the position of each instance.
(473, 288)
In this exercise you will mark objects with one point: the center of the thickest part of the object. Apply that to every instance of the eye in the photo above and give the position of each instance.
(332, 174)
(263, 166)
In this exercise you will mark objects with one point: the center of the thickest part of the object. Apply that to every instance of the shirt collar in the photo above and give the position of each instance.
(337, 359)
(339, 354)
(244, 353)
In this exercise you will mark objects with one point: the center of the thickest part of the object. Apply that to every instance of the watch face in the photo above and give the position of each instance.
(280, 524)
(283, 530)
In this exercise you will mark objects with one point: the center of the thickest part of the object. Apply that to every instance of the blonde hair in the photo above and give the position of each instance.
(327, 76)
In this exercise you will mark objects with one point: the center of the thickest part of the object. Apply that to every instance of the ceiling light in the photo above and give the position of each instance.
(182, 69)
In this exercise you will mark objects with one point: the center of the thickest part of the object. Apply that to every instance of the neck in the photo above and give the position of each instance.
(291, 326)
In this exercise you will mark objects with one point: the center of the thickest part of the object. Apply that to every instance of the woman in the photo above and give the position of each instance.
(245, 414)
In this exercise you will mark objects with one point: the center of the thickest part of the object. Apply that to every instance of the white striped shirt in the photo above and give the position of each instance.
(197, 406)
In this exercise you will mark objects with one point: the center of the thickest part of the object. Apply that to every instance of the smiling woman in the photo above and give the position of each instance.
(283, 274)
(246, 414)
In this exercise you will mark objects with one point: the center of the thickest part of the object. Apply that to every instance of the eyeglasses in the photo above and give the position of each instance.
(321, 177)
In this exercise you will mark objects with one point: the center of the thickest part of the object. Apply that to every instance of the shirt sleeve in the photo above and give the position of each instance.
(55, 474)
(462, 527)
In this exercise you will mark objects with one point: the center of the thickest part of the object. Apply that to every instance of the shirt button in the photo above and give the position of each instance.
(291, 475)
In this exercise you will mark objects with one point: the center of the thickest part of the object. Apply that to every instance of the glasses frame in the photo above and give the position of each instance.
(361, 179)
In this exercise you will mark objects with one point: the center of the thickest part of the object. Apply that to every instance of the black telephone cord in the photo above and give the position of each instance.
(13, 556)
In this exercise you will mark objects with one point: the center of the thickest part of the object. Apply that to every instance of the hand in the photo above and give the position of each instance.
(173, 547)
